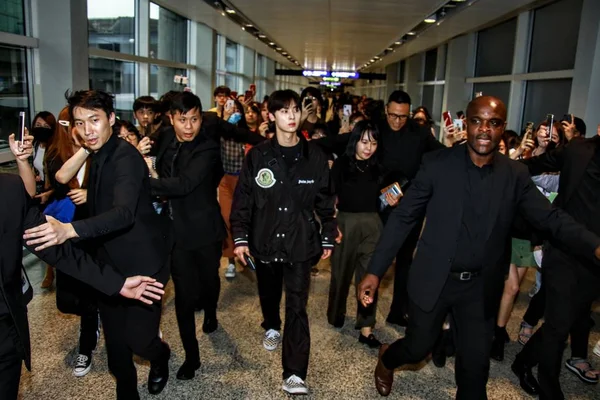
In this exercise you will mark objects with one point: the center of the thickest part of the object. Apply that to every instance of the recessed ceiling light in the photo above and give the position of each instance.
(249, 25)
(431, 19)
(262, 36)
(389, 49)
(278, 49)
(223, 14)
(289, 56)
(230, 11)
(397, 43)
(371, 60)
(376, 57)
(412, 33)
(272, 43)
(284, 53)
(243, 28)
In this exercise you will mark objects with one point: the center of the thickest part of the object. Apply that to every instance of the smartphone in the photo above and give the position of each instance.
(250, 262)
(21, 137)
(230, 104)
(347, 110)
(307, 101)
(529, 126)
(253, 88)
(447, 117)
(458, 124)
(567, 117)
(394, 189)
(550, 123)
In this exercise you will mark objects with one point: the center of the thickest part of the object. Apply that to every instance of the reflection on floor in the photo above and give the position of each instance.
(236, 366)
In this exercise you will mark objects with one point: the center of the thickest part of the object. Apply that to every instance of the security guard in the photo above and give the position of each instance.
(283, 183)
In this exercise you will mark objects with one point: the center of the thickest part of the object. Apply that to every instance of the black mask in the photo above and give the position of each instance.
(41, 133)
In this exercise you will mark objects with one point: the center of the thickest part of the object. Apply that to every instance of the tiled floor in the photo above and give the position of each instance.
(235, 365)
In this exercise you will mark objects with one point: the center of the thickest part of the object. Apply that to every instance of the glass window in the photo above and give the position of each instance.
(118, 78)
(162, 79)
(12, 16)
(231, 82)
(496, 49)
(13, 91)
(168, 35)
(401, 71)
(111, 25)
(546, 97)
(261, 69)
(554, 38)
(430, 65)
(499, 89)
(231, 56)
(427, 100)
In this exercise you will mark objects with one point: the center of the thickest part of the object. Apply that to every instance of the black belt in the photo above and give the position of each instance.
(465, 275)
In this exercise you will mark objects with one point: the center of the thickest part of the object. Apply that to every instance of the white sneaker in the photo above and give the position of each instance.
(294, 385)
(83, 365)
(230, 271)
(271, 339)
(597, 348)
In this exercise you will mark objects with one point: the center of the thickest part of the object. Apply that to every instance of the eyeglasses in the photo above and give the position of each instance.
(397, 117)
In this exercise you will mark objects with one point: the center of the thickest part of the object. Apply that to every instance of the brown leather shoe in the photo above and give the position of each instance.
(384, 378)
(48, 278)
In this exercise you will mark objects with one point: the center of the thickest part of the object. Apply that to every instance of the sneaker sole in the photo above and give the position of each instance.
(84, 372)
(583, 378)
(597, 351)
(270, 348)
(294, 391)
(230, 276)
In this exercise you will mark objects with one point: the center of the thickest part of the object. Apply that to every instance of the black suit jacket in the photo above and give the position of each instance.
(15, 216)
(123, 226)
(437, 192)
(192, 190)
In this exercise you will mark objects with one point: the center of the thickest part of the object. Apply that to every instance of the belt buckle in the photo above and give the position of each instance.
(465, 276)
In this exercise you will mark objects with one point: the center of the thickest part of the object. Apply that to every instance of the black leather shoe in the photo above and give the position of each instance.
(438, 354)
(397, 320)
(159, 373)
(526, 379)
(370, 341)
(210, 325)
(188, 370)
(497, 352)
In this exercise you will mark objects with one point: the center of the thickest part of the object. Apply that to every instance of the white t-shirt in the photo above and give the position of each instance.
(38, 161)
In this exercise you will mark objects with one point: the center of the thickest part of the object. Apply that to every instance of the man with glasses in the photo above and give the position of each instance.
(222, 94)
(402, 145)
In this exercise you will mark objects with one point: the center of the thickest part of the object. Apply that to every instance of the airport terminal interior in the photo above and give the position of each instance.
(539, 57)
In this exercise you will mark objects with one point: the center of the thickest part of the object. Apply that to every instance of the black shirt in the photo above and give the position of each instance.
(356, 184)
(476, 201)
(291, 154)
(583, 206)
(169, 159)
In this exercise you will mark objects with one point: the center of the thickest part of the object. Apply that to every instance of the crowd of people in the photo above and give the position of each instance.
(121, 207)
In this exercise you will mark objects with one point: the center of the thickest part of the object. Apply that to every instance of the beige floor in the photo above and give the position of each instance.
(235, 366)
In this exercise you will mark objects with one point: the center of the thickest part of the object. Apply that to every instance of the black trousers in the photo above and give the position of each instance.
(131, 327)
(351, 258)
(570, 289)
(296, 333)
(473, 333)
(535, 310)
(11, 358)
(404, 258)
(195, 275)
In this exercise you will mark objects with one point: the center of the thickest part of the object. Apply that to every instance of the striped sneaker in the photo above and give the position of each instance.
(271, 339)
(294, 385)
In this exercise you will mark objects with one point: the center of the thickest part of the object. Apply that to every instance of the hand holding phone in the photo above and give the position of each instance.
(391, 194)
(250, 262)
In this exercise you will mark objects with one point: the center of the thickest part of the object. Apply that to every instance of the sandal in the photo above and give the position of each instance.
(581, 372)
(524, 336)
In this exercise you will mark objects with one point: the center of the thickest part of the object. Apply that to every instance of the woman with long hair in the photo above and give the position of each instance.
(422, 117)
(357, 179)
(72, 296)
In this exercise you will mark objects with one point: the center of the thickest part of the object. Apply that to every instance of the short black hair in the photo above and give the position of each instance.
(146, 102)
(400, 97)
(356, 116)
(90, 100)
(282, 99)
(222, 90)
(119, 123)
(184, 102)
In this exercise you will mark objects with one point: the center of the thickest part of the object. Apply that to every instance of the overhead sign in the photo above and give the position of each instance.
(315, 73)
(345, 75)
(328, 79)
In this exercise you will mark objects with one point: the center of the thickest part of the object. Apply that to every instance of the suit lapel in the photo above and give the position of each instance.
(499, 178)
(456, 185)
(578, 169)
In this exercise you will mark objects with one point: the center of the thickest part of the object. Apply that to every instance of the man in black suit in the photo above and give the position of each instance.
(189, 171)
(127, 233)
(16, 216)
(571, 282)
(470, 195)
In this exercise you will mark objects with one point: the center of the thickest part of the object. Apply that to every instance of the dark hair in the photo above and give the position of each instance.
(184, 102)
(400, 97)
(222, 90)
(360, 129)
(424, 110)
(282, 99)
(146, 102)
(511, 139)
(559, 130)
(48, 118)
(90, 100)
(119, 123)
(255, 107)
(242, 122)
(313, 92)
(356, 116)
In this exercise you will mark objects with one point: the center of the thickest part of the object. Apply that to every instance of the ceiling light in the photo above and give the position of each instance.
(371, 60)
(431, 19)
(284, 53)
(243, 28)
(272, 43)
(376, 57)
(249, 25)
(289, 56)
(223, 14)
(398, 43)
(389, 49)
(229, 11)
(262, 36)
(412, 33)
(278, 49)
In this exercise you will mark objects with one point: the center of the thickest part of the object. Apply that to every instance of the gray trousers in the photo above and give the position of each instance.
(351, 257)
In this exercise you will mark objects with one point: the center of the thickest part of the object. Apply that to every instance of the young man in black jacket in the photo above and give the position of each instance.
(283, 183)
